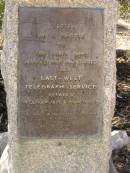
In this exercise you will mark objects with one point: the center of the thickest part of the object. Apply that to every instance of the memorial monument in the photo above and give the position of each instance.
(59, 69)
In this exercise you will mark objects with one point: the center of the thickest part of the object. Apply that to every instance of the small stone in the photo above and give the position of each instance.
(119, 139)
(3, 142)
(4, 164)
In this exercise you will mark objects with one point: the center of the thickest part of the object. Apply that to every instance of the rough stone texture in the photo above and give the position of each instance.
(77, 155)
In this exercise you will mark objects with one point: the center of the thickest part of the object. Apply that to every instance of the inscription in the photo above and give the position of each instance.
(54, 62)
(60, 65)
(38, 86)
(66, 78)
(41, 102)
(67, 26)
(72, 37)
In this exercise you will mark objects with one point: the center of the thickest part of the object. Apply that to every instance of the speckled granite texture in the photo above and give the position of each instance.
(82, 155)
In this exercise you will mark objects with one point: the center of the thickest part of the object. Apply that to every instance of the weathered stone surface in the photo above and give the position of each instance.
(123, 35)
(3, 142)
(123, 41)
(122, 25)
(84, 154)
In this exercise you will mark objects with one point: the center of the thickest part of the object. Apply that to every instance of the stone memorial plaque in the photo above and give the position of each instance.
(60, 72)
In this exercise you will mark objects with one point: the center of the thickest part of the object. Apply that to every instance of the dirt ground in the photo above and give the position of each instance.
(121, 119)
